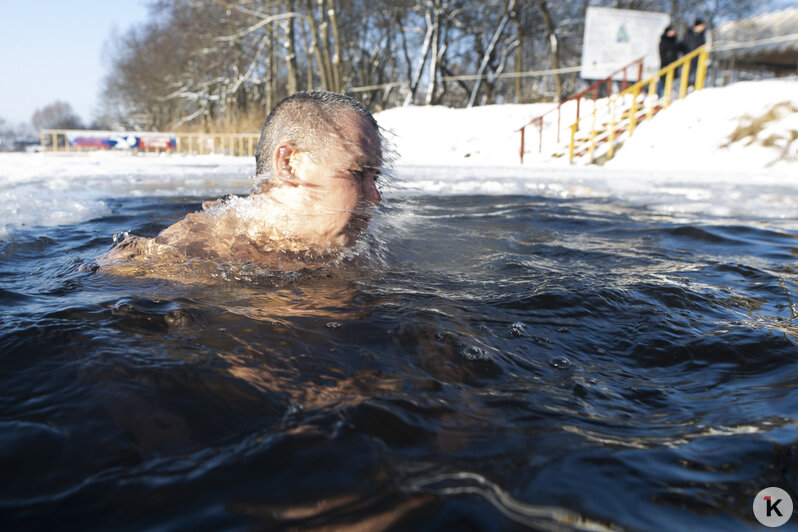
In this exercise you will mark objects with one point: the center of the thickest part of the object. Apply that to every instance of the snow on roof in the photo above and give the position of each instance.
(770, 39)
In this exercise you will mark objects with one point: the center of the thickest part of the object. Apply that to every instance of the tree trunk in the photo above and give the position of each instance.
(434, 51)
(318, 50)
(335, 66)
(421, 60)
(292, 81)
(555, 46)
(519, 52)
(486, 57)
(324, 44)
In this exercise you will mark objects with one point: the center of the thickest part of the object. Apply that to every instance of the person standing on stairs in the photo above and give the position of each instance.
(670, 49)
(695, 37)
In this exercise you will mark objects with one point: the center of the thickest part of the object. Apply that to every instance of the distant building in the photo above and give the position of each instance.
(764, 46)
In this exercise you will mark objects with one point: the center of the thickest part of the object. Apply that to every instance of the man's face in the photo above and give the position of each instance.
(340, 188)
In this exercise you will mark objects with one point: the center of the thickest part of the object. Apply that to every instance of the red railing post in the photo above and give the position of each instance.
(540, 135)
(640, 71)
(522, 144)
(623, 83)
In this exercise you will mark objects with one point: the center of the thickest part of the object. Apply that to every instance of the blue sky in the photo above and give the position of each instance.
(53, 50)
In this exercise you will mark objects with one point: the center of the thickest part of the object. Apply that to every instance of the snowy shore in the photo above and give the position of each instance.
(729, 151)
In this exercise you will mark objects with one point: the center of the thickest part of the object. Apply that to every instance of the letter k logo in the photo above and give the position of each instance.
(772, 506)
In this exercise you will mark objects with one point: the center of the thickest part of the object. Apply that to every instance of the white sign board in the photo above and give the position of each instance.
(616, 37)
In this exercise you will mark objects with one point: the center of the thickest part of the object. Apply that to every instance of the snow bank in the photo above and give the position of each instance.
(442, 136)
(695, 133)
(691, 135)
(724, 152)
(684, 161)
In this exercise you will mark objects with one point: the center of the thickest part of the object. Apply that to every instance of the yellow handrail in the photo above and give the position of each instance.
(634, 91)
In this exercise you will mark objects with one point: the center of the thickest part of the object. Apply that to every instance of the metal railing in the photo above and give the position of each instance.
(63, 140)
(633, 110)
(594, 88)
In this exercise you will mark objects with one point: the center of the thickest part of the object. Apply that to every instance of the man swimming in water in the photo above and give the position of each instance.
(317, 163)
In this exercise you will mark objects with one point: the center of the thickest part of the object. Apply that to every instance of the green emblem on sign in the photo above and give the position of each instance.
(623, 36)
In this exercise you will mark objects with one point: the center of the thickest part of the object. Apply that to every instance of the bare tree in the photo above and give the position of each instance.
(198, 62)
(554, 41)
(57, 115)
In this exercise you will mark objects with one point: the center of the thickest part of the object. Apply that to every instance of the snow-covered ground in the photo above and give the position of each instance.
(685, 160)
(720, 152)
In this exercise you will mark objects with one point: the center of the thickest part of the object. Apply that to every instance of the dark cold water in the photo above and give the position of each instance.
(481, 363)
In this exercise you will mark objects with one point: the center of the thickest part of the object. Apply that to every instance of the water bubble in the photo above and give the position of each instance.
(562, 330)
(517, 329)
(473, 352)
(561, 363)
(118, 237)
(334, 325)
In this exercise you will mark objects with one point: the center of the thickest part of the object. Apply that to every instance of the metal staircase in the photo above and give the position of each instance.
(612, 119)
(599, 134)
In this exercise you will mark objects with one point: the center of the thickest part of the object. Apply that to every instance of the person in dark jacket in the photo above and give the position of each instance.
(670, 48)
(695, 37)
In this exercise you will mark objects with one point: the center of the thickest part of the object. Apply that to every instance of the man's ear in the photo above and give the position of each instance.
(282, 161)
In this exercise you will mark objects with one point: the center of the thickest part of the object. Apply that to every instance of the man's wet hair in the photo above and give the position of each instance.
(307, 120)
